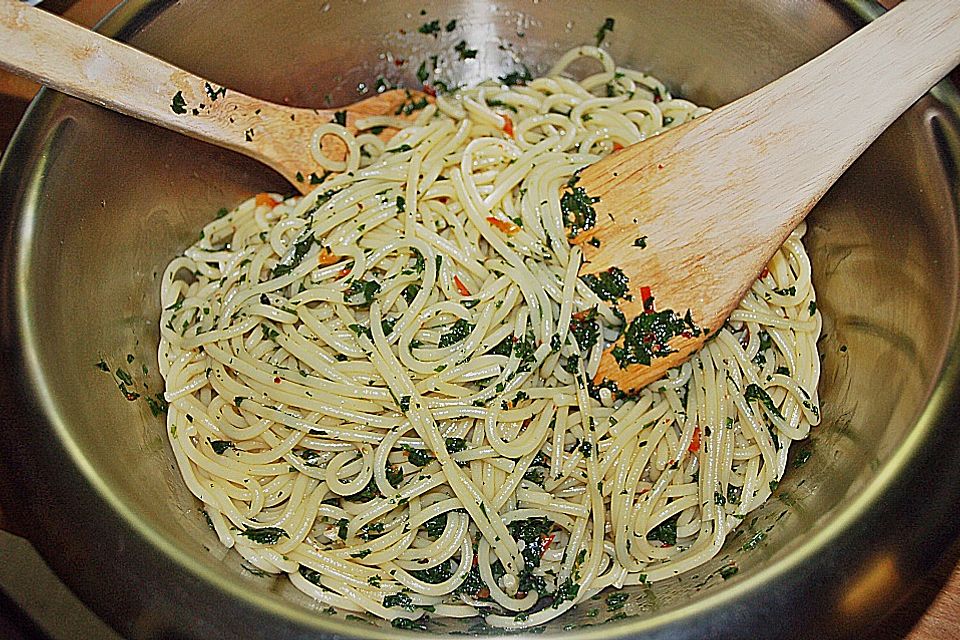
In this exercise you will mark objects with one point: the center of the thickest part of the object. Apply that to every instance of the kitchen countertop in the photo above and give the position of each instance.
(35, 605)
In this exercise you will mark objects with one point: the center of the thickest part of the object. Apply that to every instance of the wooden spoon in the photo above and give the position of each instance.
(86, 65)
(713, 199)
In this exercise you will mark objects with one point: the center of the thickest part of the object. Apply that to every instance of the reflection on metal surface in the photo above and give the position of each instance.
(871, 588)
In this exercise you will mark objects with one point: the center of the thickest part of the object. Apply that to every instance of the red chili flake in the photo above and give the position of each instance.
(462, 288)
(647, 298)
(326, 257)
(444, 199)
(276, 380)
(343, 273)
(507, 125)
(509, 228)
(399, 62)
(265, 199)
(765, 272)
(483, 593)
(547, 541)
(659, 166)
(430, 91)
(695, 441)
(617, 146)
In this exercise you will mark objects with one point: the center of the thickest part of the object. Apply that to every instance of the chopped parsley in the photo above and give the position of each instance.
(300, 248)
(456, 333)
(361, 292)
(464, 52)
(609, 285)
(728, 572)
(756, 539)
(755, 392)
(158, 404)
(220, 446)
(514, 78)
(568, 590)
(648, 336)
(178, 105)
(436, 525)
(340, 117)
(431, 28)
(408, 624)
(617, 600)
(455, 445)
(401, 600)
(666, 531)
(418, 457)
(585, 329)
(640, 242)
(605, 28)
(434, 575)
(410, 292)
(577, 209)
(264, 535)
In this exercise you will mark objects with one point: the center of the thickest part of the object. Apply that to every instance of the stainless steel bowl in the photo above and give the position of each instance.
(94, 205)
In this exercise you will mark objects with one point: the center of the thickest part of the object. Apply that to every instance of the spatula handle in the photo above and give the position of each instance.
(79, 62)
(815, 121)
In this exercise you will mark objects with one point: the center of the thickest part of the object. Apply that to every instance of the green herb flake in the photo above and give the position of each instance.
(220, 446)
(610, 285)
(666, 531)
(455, 445)
(264, 535)
(450, 26)
(401, 600)
(755, 392)
(604, 29)
(577, 209)
(514, 78)
(431, 28)
(361, 292)
(178, 105)
(464, 52)
(457, 332)
(728, 572)
(755, 540)
(649, 334)
(585, 329)
(408, 624)
(617, 600)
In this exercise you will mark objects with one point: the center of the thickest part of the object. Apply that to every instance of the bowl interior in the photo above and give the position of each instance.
(109, 201)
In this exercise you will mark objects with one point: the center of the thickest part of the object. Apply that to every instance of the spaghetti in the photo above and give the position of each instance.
(382, 389)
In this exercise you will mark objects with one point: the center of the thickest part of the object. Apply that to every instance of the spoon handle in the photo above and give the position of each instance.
(97, 69)
(715, 198)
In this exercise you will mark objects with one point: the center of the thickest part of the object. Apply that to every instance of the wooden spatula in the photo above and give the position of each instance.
(691, 217)
(86, 65)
